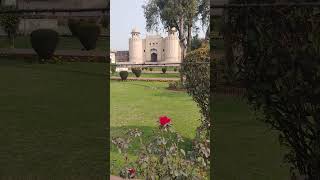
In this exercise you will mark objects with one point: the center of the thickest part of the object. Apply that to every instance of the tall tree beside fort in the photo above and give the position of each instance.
(181, 14)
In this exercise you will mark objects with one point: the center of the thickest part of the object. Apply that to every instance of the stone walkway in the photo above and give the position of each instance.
(147, 79)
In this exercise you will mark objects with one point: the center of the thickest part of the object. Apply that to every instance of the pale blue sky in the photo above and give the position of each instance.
(124, 15)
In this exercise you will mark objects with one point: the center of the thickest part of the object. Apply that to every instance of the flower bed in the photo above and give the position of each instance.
(163, 157)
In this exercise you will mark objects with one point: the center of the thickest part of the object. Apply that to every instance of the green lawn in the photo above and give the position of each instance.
(152, 75)
(139, 105)
(53, 118)
(244, 147)
(65, 43)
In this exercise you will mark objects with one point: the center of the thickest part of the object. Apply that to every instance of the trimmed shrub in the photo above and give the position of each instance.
(124, 75)
(175, 69)
(164, 70)
(198, 86)
(44, 42)
(150, 69)
(73, 26)
(136, 72)
(88, 34)
(176, 85)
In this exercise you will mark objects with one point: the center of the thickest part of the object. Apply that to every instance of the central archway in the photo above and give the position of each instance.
(154, 57)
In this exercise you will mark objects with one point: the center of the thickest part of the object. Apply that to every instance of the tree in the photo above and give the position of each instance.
(204, 13)
(196, 42)
(10, 23)
(280, 48)
(180, 14)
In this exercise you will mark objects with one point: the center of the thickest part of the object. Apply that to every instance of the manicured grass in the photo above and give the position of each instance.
(139, 105)
(152, 75)
(65, 43)
(53, 118)
(245, 148)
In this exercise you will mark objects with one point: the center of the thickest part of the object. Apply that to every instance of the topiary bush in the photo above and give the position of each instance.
(164, 70)
(175, 69)
(136, 71)
(150, 68)
(44, 42)
(88, 34)
(73, 26)
(196, 68)
(124, 75)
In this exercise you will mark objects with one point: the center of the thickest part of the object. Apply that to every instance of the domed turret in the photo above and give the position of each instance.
(135, 30)
(172, 46)
(135, 47)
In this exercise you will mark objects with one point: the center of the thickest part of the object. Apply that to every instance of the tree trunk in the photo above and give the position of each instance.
(207, 36)
(183, 45)
(189, 38)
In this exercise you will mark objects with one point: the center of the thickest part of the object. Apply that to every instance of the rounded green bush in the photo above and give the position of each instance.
(88, 34)
(124, 75)
(73, 26)
(164, 70)
(175, 69)
(44, 42)
(150, 69)
(136, 71)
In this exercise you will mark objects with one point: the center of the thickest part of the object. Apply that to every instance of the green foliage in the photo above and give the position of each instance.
(136, 71)
(44, 42)
(176, 85)
(164, 70)
(195, 42)
(175, 69)
(150, 68)
(9, 22)
(281, 71)
(73, 26)
(124, 75)
(197, 71)
(88, 34)
(113, 68)
(162, 157)
(172, 13)
(104, 22)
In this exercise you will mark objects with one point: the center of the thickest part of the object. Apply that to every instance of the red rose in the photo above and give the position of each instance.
(164, 120)
(131, 171)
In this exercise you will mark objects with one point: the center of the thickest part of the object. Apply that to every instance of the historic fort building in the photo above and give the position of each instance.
(154, 49)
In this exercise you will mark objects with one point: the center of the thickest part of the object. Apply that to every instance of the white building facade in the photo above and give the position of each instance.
(154, 49)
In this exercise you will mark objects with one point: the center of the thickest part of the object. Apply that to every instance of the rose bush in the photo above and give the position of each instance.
(162, 157)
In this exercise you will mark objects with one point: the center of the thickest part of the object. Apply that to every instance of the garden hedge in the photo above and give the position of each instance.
(124, 75)
(136, 71)
(44, 42)
(196, 68)
(164, 70)
(88, 34)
